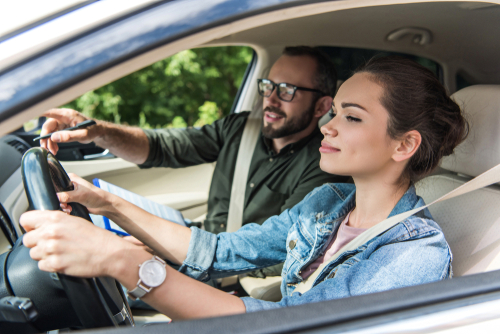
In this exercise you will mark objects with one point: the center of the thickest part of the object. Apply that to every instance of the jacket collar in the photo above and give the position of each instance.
(409, 201)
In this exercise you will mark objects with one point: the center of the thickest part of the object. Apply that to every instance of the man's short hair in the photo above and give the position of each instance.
(326, 76)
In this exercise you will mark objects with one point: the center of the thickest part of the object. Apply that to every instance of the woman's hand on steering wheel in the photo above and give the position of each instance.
(71, 245)
(96, 200)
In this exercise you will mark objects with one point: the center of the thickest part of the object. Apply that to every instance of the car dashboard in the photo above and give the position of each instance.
(13, 200)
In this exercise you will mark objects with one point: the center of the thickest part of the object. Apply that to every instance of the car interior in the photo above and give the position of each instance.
(456, 40)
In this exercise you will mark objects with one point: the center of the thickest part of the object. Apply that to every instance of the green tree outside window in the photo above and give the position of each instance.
(192, 88)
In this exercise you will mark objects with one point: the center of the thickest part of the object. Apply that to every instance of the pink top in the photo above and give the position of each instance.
(338, 240)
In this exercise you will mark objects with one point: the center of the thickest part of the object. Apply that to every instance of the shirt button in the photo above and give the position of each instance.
(292, 244)
(252, 185)
(222, 225)
(291, 151)
(270, 159)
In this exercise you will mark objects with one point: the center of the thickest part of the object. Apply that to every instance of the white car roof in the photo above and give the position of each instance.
(16, 15)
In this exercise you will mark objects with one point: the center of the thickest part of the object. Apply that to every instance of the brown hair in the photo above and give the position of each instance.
(325, 77)
(416, 100)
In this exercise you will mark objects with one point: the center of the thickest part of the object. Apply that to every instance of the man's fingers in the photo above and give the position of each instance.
(49, 126)
(60, 119)
(70, 136)
(63, 115)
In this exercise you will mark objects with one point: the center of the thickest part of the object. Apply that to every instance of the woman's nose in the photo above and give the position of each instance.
(330, 128)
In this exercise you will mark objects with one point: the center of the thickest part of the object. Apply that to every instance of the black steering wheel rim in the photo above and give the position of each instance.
(91, 298)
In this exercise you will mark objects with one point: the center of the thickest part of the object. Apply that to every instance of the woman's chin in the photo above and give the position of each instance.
(328, 168)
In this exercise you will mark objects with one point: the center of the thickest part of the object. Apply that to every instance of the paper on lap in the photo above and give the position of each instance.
(154, 208)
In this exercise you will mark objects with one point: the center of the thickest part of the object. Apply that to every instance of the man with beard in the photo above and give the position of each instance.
(285, 162)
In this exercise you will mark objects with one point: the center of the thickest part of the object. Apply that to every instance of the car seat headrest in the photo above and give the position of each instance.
(481, 149)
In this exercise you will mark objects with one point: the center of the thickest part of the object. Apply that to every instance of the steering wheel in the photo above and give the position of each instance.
(97, 302)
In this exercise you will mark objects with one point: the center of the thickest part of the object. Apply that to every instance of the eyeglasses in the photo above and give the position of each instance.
(285, 91)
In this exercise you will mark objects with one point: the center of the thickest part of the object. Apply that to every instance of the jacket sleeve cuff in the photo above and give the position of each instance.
(254, 305)
(200, 256)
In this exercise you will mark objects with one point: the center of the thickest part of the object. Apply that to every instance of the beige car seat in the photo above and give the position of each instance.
(471, 222)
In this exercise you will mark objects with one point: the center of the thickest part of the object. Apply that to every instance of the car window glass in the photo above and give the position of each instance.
(348, 59)
(462, 81)
(191, 88)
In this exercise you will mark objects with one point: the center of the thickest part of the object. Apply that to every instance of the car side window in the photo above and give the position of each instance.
(191, 88)
(346, 60)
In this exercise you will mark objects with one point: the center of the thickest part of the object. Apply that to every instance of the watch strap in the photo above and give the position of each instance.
(142, 289)
(139, 291)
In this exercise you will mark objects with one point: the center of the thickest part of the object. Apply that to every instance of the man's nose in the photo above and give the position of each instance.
(273, 99)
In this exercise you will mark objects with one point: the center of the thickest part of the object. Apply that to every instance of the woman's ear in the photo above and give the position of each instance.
(407, 146)
(323, 105)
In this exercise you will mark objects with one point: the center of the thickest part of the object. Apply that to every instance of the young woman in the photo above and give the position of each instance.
(392, 122)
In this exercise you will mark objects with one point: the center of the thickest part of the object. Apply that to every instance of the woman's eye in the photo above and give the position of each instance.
(353, 119)
(331, 114)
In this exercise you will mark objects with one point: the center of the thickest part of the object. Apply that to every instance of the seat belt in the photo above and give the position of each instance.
(249, 138)
(487, 178)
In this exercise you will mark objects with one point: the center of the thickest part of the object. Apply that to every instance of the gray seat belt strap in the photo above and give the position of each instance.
(485, 179)
(248, 142)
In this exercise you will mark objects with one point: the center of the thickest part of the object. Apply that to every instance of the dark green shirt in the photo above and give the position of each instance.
(275, 182)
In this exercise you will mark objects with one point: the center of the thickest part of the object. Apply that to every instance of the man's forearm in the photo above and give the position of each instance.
(126, 142)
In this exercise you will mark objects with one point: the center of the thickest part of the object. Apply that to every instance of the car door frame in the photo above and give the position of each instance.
(335, 315)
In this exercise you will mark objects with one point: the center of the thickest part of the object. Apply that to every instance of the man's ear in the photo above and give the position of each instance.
(407, 146)
(323, 105)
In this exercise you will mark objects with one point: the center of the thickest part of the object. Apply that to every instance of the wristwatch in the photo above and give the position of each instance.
(152, 273)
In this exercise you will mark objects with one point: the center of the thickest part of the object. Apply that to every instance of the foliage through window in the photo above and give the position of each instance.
(192, 88)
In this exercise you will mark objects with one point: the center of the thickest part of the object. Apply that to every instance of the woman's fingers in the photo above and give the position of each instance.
(85, 193)
(64, 197)
(35, 219)
(69, 245)
(66, 208)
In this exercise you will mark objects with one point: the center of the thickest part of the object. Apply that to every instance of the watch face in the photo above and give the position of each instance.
(152, 273)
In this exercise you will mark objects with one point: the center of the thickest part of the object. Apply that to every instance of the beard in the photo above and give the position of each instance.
(291, 126)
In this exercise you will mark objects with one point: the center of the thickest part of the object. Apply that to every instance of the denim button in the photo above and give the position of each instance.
(292, 244)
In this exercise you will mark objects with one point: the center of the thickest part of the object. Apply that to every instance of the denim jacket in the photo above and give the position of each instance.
(412, 252)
